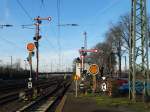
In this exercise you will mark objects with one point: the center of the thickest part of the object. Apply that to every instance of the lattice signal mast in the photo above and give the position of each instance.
(138, 54)
(85, 40)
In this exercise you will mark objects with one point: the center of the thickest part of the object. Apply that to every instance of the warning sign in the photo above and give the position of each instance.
(76, 77)
(94, 69)
(30, 46)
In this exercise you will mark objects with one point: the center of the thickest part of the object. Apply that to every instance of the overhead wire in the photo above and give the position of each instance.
(48, 41)
(11, 42)
(42, 2)
(46, 36)
(58, 22)
(43, 6)
(102, 11)
(25, 11)
(58, 33)
(107, 8)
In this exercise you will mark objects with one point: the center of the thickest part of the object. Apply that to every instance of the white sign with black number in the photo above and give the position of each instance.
(103, 86)
(29, 85)
(81, 85)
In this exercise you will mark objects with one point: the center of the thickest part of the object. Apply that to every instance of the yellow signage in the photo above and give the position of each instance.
(76, 77)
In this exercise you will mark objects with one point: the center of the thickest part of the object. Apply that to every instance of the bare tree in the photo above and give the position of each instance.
(117, 37)
(106, 58)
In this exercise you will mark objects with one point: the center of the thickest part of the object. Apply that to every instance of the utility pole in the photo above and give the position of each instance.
(25, 66)
(51, 67)
(30, 63)
(11, 61)
(11, 66)
(83, 54)
(110, 64)
(59, 46)
(76, 84)
(125, 62)
(119, 55)
(85, 40)
(36, 38)
(138, 57)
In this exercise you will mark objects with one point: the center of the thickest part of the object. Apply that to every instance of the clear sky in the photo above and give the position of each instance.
(92, 16)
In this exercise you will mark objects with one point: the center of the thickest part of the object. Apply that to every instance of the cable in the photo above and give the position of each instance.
(25, 11)
(50, 43)
(42, 5)
(58, 22)
(102, 11)
(46, 36)
(10, 42)
(42, 2)
(58, 37)
(107, 8)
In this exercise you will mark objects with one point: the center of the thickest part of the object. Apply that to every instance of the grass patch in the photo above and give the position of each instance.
(125, 103)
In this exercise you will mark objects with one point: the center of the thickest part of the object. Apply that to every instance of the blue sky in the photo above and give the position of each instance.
(92, 16)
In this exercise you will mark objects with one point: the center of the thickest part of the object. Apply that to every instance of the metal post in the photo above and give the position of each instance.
(76, 88)
(37, 49)
(146, 33)
(110, 65)
(25, 68)
(138, 57)
(82, 63)
(85, 48)
(131, 55)
(85, 40)
(119, 55)
(11, 66)
(37, 37)
(94, 83)
(11, 61)
(31, 69)
(30, 62)
(125, 62)
(51, 67)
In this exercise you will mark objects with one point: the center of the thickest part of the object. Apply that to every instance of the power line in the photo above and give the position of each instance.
(58, 22)
(25, 11)
(58, 37)
(42, 5)
(11, 42)
(50, 43)
(102, 11)
(107, 8)
(42, 2)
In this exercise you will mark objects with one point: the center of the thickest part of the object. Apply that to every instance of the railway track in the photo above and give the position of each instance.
(8, 98)
(9, 86)
(47, 102)
(14, 95)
